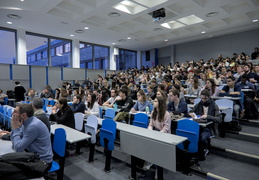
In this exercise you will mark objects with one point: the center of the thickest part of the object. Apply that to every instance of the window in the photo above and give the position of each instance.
(101, 57)
(7, 46)
(126, 59)
(62, 54)
(35, 45)
(86, 56)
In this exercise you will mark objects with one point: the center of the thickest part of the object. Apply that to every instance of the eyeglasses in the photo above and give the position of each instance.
(204, 98)
(229, 81)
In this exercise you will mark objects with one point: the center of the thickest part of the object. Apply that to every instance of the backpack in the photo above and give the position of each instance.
(22, 165)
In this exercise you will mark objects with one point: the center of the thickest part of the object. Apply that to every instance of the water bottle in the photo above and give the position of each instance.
(115, 106)
(147, 110)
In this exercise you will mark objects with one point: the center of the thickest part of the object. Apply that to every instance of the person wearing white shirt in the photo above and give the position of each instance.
(92, 107)
(112, 99)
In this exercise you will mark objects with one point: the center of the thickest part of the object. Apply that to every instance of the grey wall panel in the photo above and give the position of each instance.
(211, 48)
(73, 74)
(20, 72)
(38, 75)
(92, 73)
(54, 77)
(5, 71)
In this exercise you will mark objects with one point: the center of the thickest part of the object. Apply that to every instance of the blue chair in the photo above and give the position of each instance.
(46, 102)
(151, 107)
(59, 147)
(6, 100)
(8, 118)
(1, 113)
(52, 102)
(100, 112)
(140, 120)
(107, 138)
(189, 129)
(4, 114)
(109, 114)
(44, 108)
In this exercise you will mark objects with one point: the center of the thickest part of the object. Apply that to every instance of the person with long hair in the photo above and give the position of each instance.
(211, 87)
(62, 113)
(194, 88)
(160, 118)
(141, 103)
(92, 107)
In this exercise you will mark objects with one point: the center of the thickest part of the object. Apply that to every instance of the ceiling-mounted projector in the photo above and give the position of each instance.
(158, 15)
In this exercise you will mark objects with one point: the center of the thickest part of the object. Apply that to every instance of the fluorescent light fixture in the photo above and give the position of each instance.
(129, 7)
(172, 25)
(9, 22)
(189, 20)
(255, 20)
(203, 32)
(128, 37)
(86, 28)
(71, 35)
(166, 39)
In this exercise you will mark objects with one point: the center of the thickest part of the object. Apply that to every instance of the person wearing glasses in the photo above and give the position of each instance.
(62, 113)
(209, 112)
(232, 89)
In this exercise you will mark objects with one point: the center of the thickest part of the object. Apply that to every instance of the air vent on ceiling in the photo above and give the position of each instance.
(79, 31)
(14, 16)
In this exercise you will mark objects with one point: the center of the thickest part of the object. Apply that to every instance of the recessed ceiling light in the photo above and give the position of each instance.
(22, 0)
(157, 29)
(255, 20)
(113, 43)
(9, 22)
(79, 31)
(14, 16)
(71, 35)
(62, 22)
(166, 39)
(128, 37)
(114, 14)
(211, 14)
(203, 32)
(86, 28)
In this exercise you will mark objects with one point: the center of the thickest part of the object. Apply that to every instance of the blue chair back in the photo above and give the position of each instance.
(151, 107)
(108, 131)
(140, 120)
(101, 112)
(52, 102)
(9, 117)
(46, 102)
(109, 114)
(6, 100)
(190, 129)
(59, 142)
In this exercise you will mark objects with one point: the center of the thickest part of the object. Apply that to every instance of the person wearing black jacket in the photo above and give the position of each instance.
(209, 112)
(78, 105)
(124, 102)
(64, 115)
(19, 91)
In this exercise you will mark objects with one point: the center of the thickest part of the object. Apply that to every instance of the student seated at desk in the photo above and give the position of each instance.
(209, 111)
(211, 87)
(141, 103)
(92, 107)
(160, 118)
(250, 109)
(159, 121)
(78, 105)
(177, 105)
(112, 99)
(29, 133)
(232, 90)
(194, 88)
(62, 113)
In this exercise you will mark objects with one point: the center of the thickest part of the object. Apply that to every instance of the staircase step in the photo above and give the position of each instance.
(228, 168)
(236, 149)
(249, 122)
